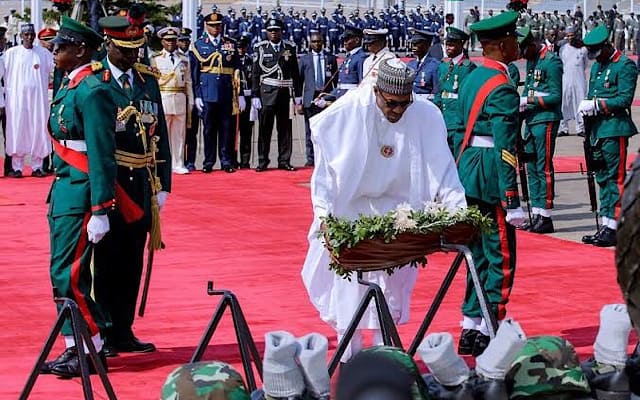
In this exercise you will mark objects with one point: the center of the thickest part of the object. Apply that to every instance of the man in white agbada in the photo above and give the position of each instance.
(374, 149)
(574, 82)
(375, 41)
(27, 70)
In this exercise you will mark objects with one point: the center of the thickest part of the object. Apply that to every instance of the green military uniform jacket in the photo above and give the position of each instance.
(544, 83)
(84, 110)
(489, 174)
(514, 73)
(612, 85)
(130, 146)
(450, 76)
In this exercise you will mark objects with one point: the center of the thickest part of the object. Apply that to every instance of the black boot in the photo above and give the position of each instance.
(467, 340)
(481, 343)
(607, 238)
(71, 368)
(66, 355)
(528, 225)
(489, 389)
(543, 225)
(606, 381)
(589, 239)
(633, 371)
(436, 390)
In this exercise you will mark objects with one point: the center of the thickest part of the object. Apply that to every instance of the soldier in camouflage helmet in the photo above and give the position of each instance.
(208, 380)
(547, 367)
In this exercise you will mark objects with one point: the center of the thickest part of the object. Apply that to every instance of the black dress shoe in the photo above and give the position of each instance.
(244, 165)
(17, 174)
(528, 225)
(38, 173)
(229, 170)
(286, 167)
(544, 225)
(589, 239)
(607, 238)
(207, 169)
(261, 168)
(109, 351)
(132, 345)
(66, 355)
(309, 164)
(467, 340)
(190, 167)
(71, 368)
(481, 343)
(606, 381)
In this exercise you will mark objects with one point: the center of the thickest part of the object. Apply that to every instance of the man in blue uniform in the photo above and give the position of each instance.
(426, 67)
(214, 60)
(334, 34)
(350, 71)
(297, 31)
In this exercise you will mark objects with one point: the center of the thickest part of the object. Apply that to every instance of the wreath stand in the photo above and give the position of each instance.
(70, 311)
(387, 326)
(247, 346)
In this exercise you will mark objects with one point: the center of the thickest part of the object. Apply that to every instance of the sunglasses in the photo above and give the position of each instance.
(393, 104)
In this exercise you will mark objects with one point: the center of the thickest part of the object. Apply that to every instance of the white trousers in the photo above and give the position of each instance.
(17, 163)
(177, 128)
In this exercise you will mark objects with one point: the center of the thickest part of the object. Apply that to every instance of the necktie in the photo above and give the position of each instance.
(126, 85)
(276, 47)
(171, 57)
(319, 75)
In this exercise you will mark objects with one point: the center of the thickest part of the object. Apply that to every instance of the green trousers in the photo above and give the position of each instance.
(454, 140)
(494, 255)
(613, 152)
(71, 267)
(540, 139)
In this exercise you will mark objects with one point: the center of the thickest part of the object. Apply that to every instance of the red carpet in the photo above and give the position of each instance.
(247, 232)
(569, 164)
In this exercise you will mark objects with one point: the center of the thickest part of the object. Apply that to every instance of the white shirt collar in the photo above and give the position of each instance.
(457, 58)
(212, 38)
(279, 44)
(117, 72)
(75, 72)
(354, 51)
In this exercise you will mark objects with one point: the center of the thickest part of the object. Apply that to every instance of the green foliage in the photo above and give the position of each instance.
(50, 16)
(341, 233)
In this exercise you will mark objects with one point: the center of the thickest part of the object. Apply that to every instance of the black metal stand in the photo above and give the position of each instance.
(246, 344)
(80, 335)
(463, 254)
(387, 326)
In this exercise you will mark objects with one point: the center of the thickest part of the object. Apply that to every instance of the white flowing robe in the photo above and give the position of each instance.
(351, 177)
(26, 81)
(574, 81)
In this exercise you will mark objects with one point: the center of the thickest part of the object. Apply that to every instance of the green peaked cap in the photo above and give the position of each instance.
(75, 32)
(456, 34)
(597, 36)
(524, 34)
(503, 24)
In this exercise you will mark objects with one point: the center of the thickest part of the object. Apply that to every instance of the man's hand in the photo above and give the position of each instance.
(199, 104)
(256, 103)
(162, 199)
(515, 216)
(320, 102)
(97, 227)
(241, 103)
(523, 103)
(299, 109)
(587, 107)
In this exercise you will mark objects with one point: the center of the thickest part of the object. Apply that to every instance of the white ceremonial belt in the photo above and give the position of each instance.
(447, 95)
(482, 141)
(347, 86)
(77, 145)
(285, 83)
(540, 94)
(423, 96)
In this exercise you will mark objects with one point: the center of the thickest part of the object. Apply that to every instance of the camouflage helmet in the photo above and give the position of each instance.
(546, 365)
(207, 380)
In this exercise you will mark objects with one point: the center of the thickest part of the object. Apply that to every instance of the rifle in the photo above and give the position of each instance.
(522, 159)
(147, 280)
(592, 165)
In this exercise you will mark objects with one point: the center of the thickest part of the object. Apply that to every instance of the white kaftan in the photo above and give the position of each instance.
(26, 81)
(351, 177)
(574, 84)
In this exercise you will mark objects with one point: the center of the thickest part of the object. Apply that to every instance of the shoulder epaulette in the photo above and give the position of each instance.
(466, 62)
(96, 66)
(92, 81)
(260, 43)
(148, 70)
(156, 54)
(289, 43)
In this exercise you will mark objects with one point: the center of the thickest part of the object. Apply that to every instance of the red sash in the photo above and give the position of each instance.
(476, 106)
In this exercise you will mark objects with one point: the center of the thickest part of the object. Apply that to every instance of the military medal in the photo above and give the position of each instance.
(386, 151)
(422, 82)
(455, 82)
(286, 55)
(148, 112)
(606, 79)
(36, 66)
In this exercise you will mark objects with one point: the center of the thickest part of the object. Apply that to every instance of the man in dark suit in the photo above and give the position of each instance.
(318, 72)
(245, 120)
(275, 76)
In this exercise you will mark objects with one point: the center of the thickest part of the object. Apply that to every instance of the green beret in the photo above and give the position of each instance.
(500, 26)
(597, 36)
(524, 34)
(204, 380)
(456, 34)
(72, 31)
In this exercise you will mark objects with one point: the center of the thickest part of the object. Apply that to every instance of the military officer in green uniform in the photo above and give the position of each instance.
(82, 125)
(451, 73)
(144, 172)
(541, 104)
(612, 84)
(488, 104)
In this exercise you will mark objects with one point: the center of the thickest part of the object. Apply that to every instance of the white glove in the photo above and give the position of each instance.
(97, 227)
(587, 107)
(297, 101)
(241, 103)
(162, 198)
(523, 104)
(255, 103)
(320, 103)
(247, 92)
(199, 104)
(515, 216)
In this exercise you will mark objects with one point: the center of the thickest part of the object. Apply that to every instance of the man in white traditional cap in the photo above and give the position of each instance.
(386, 159)
(375, 41)
(574, 82)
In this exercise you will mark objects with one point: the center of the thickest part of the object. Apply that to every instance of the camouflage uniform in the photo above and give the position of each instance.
(208, 380)
(546, 366)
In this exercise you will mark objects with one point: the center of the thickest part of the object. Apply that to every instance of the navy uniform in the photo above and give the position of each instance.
(297, 31)
(350, 72)
(214, 61)
(191, 137)
(245, 127)
(275, 76)
(144, 173)
(426, 83)
(334, 34)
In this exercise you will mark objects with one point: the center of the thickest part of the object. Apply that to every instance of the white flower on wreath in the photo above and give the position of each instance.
(402, 218)
(432, 207)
